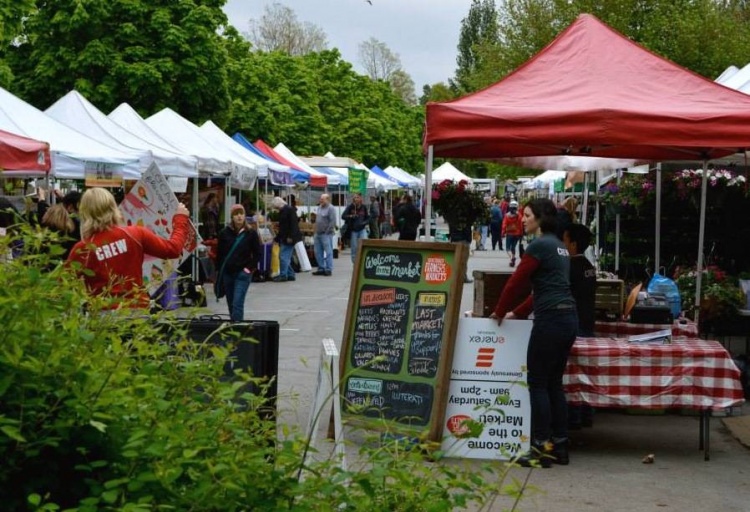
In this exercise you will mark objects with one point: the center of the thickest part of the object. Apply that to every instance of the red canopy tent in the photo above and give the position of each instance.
(19, 153)
(594, 92)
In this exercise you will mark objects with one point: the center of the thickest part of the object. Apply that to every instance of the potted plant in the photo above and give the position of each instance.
(721, 296)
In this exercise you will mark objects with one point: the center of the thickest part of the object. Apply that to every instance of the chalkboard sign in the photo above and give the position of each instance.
(399, 333)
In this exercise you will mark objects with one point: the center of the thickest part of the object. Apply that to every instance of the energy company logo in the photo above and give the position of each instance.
(485, 356)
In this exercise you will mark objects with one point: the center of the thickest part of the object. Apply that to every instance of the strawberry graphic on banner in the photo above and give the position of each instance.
(152, 203)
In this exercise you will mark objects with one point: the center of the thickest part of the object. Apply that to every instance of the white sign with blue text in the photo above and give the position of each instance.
(488, 389)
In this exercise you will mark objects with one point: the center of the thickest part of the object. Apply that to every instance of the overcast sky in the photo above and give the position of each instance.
(424, 33)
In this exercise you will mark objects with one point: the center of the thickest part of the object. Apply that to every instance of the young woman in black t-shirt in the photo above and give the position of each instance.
(545, 264)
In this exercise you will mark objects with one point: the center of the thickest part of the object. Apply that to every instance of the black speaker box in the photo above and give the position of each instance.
(256, 348)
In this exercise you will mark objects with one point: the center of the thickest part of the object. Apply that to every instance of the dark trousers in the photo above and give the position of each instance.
(495, 235)
(235, 287)
(552, 336)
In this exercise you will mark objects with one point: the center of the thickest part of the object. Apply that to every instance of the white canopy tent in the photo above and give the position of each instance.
(71, 151)
(125, 116)
(448, 171)
(217, 137)
(544, 180)
(737, 79)
(342, 165)
(183, 134)
(376, 182)
(77, 112)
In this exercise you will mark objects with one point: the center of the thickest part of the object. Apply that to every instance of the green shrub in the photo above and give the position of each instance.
(98, 411)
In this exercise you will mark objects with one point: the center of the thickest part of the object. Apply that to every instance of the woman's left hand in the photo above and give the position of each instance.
(499, 320)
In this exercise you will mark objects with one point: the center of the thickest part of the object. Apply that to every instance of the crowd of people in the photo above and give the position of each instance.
(108, 256)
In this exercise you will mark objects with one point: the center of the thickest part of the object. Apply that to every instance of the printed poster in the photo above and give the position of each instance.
(488, 388)
(151, 203)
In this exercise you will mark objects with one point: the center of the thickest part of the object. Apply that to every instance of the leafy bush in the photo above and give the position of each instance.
(99, 412)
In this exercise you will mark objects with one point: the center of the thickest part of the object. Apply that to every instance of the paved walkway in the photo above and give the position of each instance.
(606, 472)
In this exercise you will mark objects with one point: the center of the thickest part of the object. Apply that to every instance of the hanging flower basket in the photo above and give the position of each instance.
(459, 204)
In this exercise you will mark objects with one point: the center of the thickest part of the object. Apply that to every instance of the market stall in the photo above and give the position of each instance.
(593, 92)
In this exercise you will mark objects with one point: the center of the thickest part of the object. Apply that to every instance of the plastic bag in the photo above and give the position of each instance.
(304, 261)
(662, 285)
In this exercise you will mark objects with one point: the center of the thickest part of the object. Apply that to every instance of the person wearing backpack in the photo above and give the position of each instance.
(512, 231)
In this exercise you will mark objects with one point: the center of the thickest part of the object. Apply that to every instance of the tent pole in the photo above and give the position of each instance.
(585, 198)
(196, 223)
(657, 235)
(597, 223)
(701, 241)
(428, 195)
(617, 232)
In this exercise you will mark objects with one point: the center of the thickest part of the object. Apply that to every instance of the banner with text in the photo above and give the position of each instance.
(488, 386)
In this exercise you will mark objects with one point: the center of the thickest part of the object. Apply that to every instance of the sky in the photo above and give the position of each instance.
(424, 33)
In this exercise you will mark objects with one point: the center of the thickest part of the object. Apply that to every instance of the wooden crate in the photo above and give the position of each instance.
(609, 297)
(487, 289)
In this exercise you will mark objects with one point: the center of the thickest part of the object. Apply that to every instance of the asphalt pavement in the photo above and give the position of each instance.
(606, 472)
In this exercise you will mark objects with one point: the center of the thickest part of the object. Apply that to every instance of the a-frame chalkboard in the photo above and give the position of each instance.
(399, 334)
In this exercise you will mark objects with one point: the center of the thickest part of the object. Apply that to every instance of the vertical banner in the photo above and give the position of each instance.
(488, 387)
(151, 203)
(358, 180)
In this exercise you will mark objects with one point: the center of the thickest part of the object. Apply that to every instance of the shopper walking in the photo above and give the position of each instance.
(325, 223)
(238, 257)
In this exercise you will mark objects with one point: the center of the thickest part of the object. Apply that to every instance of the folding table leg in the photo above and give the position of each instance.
(705, 430)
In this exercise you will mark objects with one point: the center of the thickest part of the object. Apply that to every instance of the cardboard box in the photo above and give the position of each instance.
(609, 298)
(487, 289)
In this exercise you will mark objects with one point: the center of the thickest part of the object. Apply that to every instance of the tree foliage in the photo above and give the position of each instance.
(151, 54)
(704, 36)
(12, 13)
(380, 63)
(378, 60)
(280, 30)
(184, 55)
(317, 103)
(403, 86)
(479, 27)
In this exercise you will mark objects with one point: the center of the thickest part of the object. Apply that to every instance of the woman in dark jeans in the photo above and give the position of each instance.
(546, 265)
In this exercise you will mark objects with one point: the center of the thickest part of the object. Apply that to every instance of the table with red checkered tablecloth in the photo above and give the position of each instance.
(689, 373)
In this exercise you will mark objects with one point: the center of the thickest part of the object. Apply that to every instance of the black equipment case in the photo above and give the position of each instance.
(654, 310)
(256, 348)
